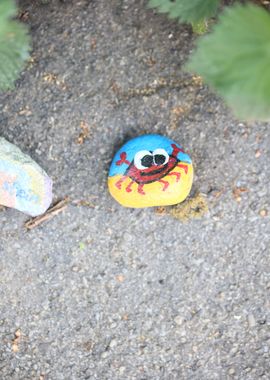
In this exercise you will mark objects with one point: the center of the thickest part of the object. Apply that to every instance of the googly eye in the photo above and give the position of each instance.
(161, 157)
(143, 159)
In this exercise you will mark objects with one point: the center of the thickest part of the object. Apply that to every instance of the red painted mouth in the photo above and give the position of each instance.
(154, 170)
(151, 174)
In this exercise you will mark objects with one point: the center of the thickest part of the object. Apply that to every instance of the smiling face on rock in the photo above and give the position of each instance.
(150, 170)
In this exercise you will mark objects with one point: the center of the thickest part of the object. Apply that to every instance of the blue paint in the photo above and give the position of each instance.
(26, 195)
(25, 186)
(145, 142)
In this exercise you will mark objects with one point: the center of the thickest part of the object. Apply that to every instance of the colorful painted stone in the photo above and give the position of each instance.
(150, 170)
(23, 184)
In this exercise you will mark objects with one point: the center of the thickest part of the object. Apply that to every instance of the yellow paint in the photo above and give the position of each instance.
(37, 183)
(154, 195)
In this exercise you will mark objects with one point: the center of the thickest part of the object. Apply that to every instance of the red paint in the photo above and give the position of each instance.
(151, 174)
(123, 159)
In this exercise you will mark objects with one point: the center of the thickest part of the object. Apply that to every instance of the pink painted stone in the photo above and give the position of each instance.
(24, 185)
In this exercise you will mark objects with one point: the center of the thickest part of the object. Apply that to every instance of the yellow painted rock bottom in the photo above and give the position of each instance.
(176, 192)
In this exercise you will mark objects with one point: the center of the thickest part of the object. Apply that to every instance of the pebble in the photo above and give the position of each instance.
(122, 370)
(179, 320)
(263, 213)
(251, 320)
(23, 184)
(150, 170)
(113, 343)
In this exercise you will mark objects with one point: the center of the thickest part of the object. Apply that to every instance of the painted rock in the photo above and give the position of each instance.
(150, 170)
(23, 184)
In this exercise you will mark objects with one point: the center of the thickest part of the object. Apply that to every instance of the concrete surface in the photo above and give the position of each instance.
(103, 292)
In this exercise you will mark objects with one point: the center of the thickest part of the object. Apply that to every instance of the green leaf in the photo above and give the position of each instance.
(200, 27)
(191, 11)
(235, 60)
(14, 45)
(7, 9)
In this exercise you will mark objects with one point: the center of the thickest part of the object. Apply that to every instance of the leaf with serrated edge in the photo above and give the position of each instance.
(235, 60)
(14, 45)
(191, 11)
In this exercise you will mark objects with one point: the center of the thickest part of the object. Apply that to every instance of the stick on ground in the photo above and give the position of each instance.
(49, 214)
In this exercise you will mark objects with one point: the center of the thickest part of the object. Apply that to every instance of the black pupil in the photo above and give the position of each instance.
(147, 161)
(159, 159)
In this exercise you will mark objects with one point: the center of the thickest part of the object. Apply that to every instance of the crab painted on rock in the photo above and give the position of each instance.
(149, 167)
(158, 166)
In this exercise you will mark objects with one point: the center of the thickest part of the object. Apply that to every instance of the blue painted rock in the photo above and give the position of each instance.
(23, 184)
(150, 170)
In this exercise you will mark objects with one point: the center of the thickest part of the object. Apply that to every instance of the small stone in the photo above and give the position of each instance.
(120, 278)
(231, 371)
(263, 213)
(23, 184)
(258, 153)
(18, 333)
(150, 170)
(113, 343)
(15, 347)
(251, 320)
(122, 370)
(179, 320)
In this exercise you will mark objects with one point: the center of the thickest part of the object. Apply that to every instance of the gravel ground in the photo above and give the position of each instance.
(103, 292)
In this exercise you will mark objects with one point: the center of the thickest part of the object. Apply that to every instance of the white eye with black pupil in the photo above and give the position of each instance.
(161, 157)
(143, 159)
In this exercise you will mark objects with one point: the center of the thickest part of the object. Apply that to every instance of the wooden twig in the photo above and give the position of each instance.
(49, 214)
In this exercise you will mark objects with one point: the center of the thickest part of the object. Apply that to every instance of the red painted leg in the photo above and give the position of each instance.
(128, 188)
(178, 175)
(123, 159)
(183, 166)
(140, 189)
(165, 183)
(118, 184)
(176, 150)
